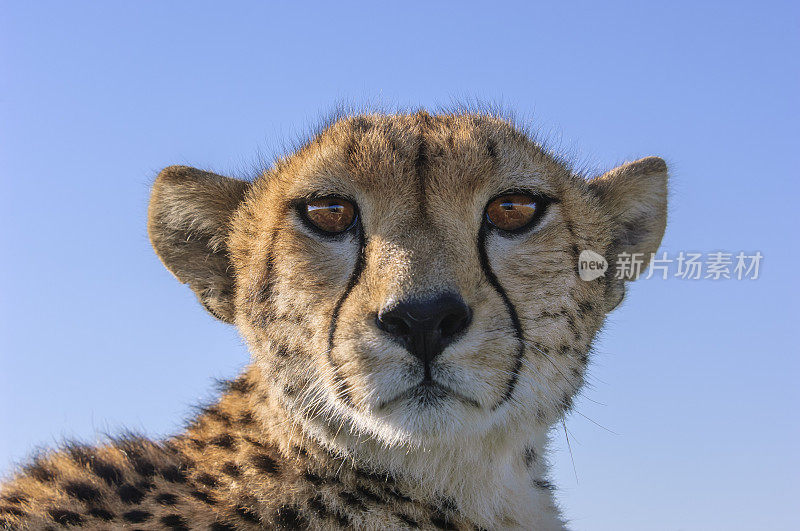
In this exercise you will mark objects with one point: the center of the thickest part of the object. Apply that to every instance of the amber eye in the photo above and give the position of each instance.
(330, 214)
(512, 211)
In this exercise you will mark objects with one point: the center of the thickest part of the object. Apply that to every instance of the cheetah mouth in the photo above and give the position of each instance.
(429, 393)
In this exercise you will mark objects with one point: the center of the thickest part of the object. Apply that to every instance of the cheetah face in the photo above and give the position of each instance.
(413, 276)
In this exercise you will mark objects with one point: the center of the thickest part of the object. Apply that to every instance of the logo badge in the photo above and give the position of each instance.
(591, 265)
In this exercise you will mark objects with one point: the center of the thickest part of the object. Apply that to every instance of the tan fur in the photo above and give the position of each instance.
(318, 432)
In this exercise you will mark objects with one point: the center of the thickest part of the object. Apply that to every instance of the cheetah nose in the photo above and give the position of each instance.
(426, 326)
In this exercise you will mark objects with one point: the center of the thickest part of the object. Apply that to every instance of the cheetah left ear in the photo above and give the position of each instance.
(635, 197)
(189, 221)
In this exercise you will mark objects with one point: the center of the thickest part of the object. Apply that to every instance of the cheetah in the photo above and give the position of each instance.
(408, 287)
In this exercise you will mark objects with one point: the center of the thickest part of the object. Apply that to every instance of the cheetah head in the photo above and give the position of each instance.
(412, 277)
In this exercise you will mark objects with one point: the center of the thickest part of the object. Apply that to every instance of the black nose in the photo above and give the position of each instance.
(426, 326)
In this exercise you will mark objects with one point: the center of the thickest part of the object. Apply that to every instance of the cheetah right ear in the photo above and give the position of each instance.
(188, 223)
(635, 197)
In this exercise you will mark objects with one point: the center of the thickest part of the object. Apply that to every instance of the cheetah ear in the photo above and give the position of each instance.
(188, 222)
(635, 197)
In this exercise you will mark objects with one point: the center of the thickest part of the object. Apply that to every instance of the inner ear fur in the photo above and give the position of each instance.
(634, 195)
(188, 222)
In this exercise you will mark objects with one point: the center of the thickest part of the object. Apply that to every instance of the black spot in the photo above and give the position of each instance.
(563, 349)
(173, 474)
(207, 479)
(40, 472)
(167, 499)
(318, 506)
(352, 500)
(254, 442)
(371, 476)
(246, 418)
(491, 148)
(240, 385)
(221, 526)
(344, 521)
(368, 494)
(143, 467)
(130, 494)
(175, 521)
(265, 463)
(394, 493)
(312, 478)
(530, 456)
(449, 504)
(64, 517)
(566, 402)
(571, 323)
(421, 161)
(202, 496)
(83, 455)
(14, 499)
(137, 516)
(544, 485)
(197, 444)
(145, 486)
(223, 441)
(82, 491)
(231, 469)
(440, 521)
(108, 473)
(289, 518)
(247, 514)
(410, 522)
(282, 351)
(100, 513)
(12, 511)
(218, 415)
(300, 451)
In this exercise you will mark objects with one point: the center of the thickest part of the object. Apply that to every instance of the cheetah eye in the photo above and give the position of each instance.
(332, 215)
(511, 212)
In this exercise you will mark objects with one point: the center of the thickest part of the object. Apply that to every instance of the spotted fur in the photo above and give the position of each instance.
(327, 427)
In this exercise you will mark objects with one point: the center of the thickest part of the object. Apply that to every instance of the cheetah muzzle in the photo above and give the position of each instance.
(408, 288)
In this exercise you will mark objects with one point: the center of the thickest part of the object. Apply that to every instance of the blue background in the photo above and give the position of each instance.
(697, 379)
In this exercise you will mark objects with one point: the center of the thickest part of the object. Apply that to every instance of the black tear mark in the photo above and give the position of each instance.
(351, 283)
(512, 313)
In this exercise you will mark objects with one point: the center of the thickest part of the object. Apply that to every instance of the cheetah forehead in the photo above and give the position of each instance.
(420, 153)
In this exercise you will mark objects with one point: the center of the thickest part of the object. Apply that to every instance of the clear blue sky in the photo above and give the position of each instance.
(698, 379)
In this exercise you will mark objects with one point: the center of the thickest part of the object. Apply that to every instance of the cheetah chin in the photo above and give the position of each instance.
(408, 287)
